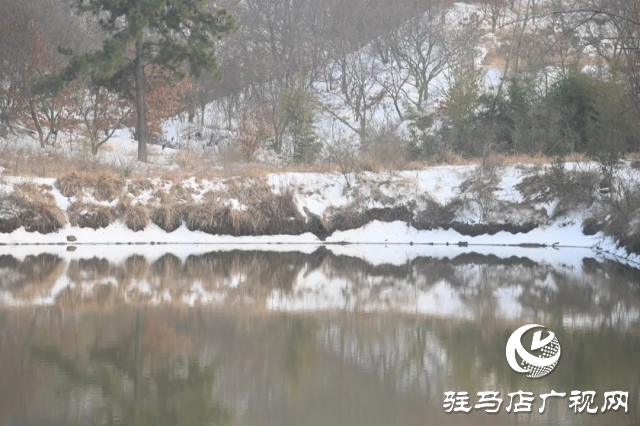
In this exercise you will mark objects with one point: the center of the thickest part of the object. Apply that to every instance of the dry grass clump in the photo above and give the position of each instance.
(88, 215)
(104, 187)
(269, 214)
(273, 214)
(176, 193)
(248, 191)
(34, 208)
(107, 187)
(179, 193)
(71, 184)
(189, 160)
(20, 161)
(168, 216)
(213, 218)
(136, 217)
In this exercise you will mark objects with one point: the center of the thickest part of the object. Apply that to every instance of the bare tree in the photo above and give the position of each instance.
(494, 10)
(100, 113)
(419, 53)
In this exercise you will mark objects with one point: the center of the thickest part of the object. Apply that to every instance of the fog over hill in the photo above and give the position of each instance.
(305, 81)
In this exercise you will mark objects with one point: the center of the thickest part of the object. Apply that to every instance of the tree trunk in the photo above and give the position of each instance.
(141, 128)
(36, 122)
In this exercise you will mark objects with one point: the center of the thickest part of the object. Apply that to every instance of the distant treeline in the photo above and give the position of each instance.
(313, 79)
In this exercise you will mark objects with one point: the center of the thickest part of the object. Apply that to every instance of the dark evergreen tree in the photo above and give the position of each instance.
(177, 35)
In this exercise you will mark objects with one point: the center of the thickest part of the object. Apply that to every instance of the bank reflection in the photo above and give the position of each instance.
(469, 286)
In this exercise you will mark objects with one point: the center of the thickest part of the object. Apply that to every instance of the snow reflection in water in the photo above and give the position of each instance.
(377, 344)
(467, 286)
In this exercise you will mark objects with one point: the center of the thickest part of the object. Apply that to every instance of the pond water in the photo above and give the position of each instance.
(306, 336)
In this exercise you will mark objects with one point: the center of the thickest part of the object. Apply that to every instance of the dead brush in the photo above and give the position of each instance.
(72, 184)
(38, 211)
(9, 215)
(179, 193)
(168, 216)
(136, 216)
(137, 186)
(105, 187)
(357, 214)
(273, 214)
(267, 212)
(248, 191)
(89, 215)
(622, 217)
(213, 218)
(188, 160)
(270, 214)
(108, 187)
(435, 214)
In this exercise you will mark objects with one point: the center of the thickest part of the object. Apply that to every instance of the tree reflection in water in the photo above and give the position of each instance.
(176, 393)
(468, 286)
(195, 340)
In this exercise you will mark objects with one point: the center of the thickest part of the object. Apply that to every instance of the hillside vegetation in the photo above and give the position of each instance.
(333, 81)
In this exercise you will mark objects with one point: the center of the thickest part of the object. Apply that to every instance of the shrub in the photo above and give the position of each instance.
(253, 133)
(623, 218)
(298, 111)
(436, 215)
(478, 189)
(9, 214)
(570, 189)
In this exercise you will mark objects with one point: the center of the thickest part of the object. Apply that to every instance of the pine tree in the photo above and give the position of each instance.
(175, 35)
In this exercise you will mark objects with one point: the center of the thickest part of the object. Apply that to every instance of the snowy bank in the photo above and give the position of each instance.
(456, 205)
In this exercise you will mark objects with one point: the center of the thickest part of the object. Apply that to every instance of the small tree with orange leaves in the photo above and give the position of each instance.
(164, 97)
(28, 53)
(253, 132)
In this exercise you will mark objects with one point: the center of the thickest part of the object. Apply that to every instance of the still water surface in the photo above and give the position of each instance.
(306, 337)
